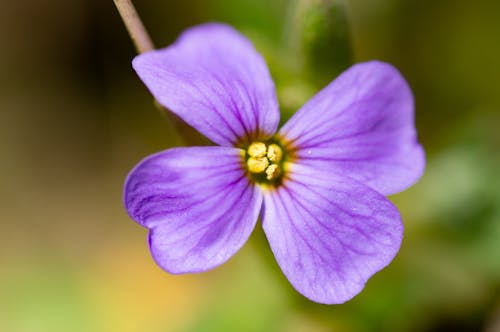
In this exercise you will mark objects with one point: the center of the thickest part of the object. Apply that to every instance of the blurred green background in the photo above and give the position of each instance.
(74, 119)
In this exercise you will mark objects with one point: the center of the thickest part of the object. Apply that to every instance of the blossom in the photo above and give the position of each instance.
(318, 183)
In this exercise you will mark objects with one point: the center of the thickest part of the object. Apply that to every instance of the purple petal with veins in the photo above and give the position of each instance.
(198, 204)
(329, 234)
(214, 79)
(361, 126)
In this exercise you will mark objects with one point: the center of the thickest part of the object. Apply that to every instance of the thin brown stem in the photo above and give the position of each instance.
(134, 25)
(143, 43)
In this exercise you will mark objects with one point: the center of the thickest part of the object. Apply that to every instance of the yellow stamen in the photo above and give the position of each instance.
(274, 153)
(272, 172)
(257, 149)
(264, 161)
(257, 164)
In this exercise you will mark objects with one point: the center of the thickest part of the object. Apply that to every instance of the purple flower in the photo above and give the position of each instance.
(318, 183)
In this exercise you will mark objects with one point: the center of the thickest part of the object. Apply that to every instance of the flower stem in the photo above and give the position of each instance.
(143, 43)
(134, 25)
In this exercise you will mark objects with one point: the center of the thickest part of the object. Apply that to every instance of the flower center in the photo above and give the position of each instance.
(264, 161)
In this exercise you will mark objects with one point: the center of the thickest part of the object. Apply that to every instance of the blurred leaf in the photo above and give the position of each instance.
(41, 296)
(319, 31)
(246, 298)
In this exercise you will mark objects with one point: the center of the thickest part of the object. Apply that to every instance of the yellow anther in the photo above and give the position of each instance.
(257, 164)
(274, 153)
(257, 149)
(272, 172)
(264, 160)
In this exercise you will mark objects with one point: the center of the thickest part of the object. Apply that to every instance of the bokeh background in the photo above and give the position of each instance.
(74, 119)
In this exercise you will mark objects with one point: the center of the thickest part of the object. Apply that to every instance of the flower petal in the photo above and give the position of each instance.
(214, 79)
(198, 204)
(330, 234)
(362, 126)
